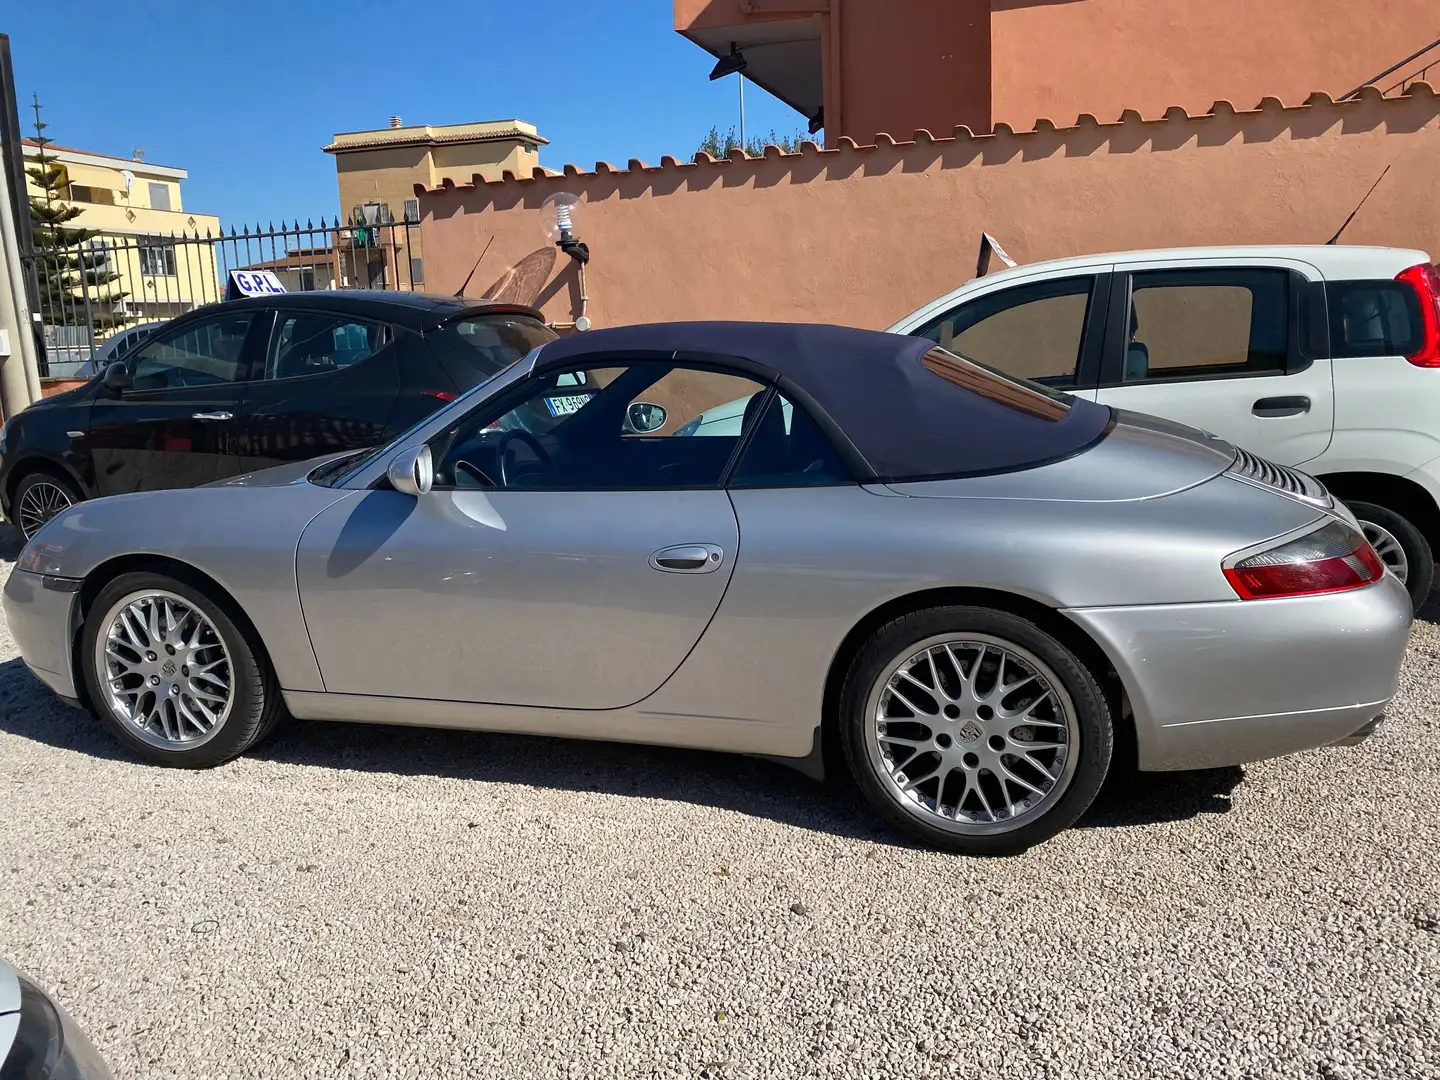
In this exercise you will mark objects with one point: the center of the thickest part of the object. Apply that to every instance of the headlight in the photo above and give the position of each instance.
(41, 557)
(691, 427)
(48, 1045)
(4, 430)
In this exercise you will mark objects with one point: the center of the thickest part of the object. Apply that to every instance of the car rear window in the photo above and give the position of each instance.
(1374, 318)
(1032, 398)
(487, 344)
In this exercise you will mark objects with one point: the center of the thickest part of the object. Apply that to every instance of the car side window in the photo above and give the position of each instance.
(206, 353)
(787, 448)
(1194, 324)
(1029, 331)
(304, 343)
(618, 427)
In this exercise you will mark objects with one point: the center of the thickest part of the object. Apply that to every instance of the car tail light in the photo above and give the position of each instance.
(1425, 280)
(1330, 559)
(441, 395)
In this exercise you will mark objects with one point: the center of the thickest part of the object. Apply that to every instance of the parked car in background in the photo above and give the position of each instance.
(38, 1039)
(965, 586)
(115, 348)
(1326, 357)
(242, 385)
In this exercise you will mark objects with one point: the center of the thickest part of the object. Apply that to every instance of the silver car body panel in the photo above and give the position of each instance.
(1223, 684)
(513, 597)
(43, 623)
(542, 611)
(241, 533)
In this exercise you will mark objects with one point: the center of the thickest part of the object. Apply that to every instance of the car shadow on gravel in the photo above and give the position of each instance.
(11, 541)
(725, 781)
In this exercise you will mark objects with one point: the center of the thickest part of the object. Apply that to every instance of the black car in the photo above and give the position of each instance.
(246, 384)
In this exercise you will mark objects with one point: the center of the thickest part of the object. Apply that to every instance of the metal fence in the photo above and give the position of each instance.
(87, 294)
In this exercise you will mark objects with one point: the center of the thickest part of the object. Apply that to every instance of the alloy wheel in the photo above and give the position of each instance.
(41, 501)
(1388, 548)
(972, 734)
(164, 670)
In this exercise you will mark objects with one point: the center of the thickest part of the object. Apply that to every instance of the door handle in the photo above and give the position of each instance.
(688, 559)
(212, 416)
(1281, 406)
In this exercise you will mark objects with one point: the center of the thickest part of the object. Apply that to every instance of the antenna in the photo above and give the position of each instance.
(461, 291)
(1336, 238)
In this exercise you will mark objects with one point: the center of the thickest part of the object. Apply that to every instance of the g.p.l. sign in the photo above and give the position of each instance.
(252, 283)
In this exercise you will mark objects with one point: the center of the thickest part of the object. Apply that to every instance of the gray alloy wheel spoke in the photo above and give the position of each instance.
(164, 669)
(42, 501)
(1001, 722)
(1388, 548)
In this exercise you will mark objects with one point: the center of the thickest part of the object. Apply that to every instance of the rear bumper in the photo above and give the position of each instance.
(1221, 684)
(41, 614)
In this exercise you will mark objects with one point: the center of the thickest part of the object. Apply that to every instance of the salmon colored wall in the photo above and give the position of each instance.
(1060, 58)
(864, 236)
(926, 60)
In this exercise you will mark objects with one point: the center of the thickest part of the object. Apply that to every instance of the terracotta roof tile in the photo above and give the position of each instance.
(886, 143)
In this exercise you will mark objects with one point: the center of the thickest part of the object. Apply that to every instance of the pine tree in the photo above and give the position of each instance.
(67, 271)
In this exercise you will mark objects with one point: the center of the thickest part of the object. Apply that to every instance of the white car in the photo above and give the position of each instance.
(1322, 357)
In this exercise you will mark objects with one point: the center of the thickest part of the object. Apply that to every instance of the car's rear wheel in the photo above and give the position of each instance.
(1401, 547)
(974, 730)
(172, 674)
(38, 498)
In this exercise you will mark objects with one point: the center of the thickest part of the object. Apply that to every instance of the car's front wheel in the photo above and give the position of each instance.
(1401, 547)
(974, 730)
(170, 672)
(38, 498)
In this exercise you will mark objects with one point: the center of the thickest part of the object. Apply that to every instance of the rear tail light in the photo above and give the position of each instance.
(1425, 280)
(1330, 559)
(441, 395)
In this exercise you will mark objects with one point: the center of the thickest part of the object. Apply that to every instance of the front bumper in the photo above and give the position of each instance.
(1220, 684)
(42, 614)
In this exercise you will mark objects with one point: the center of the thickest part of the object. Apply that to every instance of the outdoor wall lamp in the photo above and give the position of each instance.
(560, 220)
(732, 64)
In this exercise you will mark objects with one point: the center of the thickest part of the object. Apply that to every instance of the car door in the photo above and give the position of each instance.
(563, 559)
(1051, 330)
(327, 383)
(174, 425)
(1224, 347)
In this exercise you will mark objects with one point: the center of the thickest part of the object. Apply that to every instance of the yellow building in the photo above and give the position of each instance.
(136, 207)
(377, 171)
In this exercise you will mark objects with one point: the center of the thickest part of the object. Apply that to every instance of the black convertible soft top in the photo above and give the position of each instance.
(908, 409)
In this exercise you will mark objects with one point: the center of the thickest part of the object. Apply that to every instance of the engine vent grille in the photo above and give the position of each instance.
(1266, 473)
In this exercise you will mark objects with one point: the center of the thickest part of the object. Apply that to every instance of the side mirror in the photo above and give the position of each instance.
(117, 377)
(642, 417)
(412, 471)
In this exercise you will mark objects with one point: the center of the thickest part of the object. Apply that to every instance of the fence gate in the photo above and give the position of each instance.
(94, 292)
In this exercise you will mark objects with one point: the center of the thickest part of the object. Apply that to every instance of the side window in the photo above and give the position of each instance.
(201, 354)
(788, 449)
(1030, 331)
(1190, 324)
(620, 427)
(303, 343)
(1374, 318)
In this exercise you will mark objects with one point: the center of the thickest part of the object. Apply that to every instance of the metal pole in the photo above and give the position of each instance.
(740, 75)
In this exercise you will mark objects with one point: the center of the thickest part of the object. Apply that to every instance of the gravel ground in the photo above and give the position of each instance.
(381, 902)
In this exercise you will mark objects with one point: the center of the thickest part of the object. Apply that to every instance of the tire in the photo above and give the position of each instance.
(965, 734)
(43, 494)
(1400, 545)
(221, 652)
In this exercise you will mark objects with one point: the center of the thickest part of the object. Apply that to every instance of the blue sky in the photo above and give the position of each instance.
(245, 94)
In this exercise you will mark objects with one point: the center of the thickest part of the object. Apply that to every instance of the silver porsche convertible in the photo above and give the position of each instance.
(965, 589)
